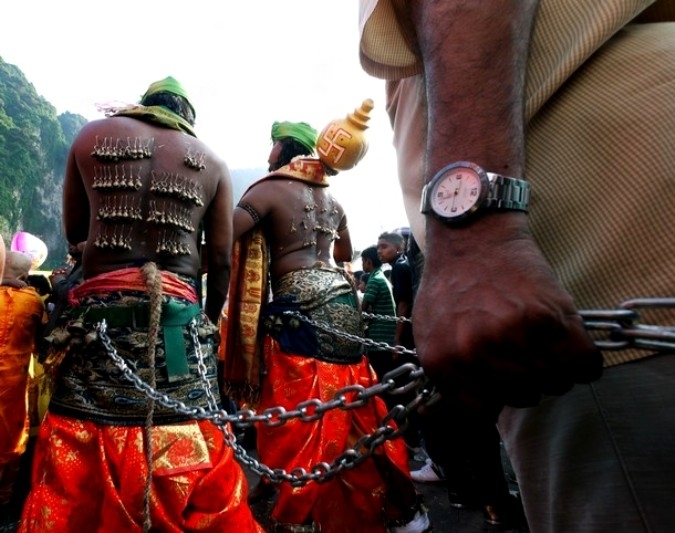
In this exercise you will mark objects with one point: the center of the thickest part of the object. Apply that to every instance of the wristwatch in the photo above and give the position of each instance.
(463, 190)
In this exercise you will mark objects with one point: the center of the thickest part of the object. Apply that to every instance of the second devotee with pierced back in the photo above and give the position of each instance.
(291, 217)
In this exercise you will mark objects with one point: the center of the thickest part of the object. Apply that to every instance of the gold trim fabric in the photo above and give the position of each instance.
(248, 292)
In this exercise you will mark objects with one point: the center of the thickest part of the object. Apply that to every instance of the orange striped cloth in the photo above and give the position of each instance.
(131, 279)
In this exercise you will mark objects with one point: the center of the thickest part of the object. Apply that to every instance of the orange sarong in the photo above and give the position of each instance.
(90, 467)
(93, 479)
(21, 313)
(359, 499)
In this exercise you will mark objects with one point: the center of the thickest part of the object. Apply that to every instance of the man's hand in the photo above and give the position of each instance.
(493, 326)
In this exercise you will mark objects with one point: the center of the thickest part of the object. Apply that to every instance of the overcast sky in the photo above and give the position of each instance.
(243, 63)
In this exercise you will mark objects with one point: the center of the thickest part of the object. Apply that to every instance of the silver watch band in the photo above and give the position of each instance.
(507, 193)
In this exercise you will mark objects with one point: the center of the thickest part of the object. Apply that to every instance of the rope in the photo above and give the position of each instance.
(154, 285)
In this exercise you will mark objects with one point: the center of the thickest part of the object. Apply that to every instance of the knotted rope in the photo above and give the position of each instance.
(154, 285)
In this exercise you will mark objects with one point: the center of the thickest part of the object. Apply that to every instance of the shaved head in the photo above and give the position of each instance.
(17, 265)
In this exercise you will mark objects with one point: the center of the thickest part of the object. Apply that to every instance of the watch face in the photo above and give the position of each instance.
(458, 192)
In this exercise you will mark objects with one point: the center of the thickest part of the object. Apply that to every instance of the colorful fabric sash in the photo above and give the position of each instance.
(305, 169)
(89, 386)
(248, 291)
(174, 317)
(157, 115)
(323, 295)
(131, 279)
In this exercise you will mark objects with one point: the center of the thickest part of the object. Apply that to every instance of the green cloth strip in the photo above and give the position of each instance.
(174, 318)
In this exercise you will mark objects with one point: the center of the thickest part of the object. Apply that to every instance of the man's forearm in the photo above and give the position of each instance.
(493, 325)
(216, 294)
(475, 54)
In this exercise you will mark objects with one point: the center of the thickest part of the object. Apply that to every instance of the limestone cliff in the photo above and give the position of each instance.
(34, 143)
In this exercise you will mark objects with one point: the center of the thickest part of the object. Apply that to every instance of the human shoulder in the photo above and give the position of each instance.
(90, 130)
(29, 297)
(401, 265)
(265, 196)
(377, 274)
(273, 189)
(106, 134)
(376, 283)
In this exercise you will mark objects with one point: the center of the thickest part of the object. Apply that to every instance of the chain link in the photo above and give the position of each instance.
(620, 326)
(622, 330)
(402, 350)
(347, 398)
(385, 318)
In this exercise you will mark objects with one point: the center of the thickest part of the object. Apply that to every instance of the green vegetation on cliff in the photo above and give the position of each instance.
(34, 144)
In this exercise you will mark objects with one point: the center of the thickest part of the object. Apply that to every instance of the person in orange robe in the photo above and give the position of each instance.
(2, 256)
(22, 313)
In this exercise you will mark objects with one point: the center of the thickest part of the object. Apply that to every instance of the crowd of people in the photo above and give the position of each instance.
(519, 174)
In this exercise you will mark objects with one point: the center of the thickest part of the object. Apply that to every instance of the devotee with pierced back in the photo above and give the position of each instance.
(141, 190)
(291, 217)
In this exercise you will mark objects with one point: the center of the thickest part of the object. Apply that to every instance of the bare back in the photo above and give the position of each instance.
(302, 223)
(137, 192)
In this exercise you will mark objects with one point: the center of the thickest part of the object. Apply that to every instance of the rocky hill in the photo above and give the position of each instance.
(34, 143)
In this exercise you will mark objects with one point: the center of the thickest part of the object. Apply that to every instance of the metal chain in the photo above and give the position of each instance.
(385, 318)
(347, 398)
(620, 326)
(622, 330)
(355, 338)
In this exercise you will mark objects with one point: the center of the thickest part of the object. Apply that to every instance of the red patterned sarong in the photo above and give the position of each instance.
(90, 474)
(359, 499)
(93, 479)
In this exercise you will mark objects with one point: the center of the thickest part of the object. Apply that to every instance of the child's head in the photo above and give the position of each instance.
(363, 281)
(390, 246)
(40, 283)
(370, 259)
(17, 265)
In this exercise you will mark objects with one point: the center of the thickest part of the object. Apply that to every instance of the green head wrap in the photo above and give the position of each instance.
(298, 131)
(168, 85)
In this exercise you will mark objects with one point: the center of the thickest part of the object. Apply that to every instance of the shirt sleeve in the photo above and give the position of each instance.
(566, 33)
(387, 44)
(371, 291)
(401, 282)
